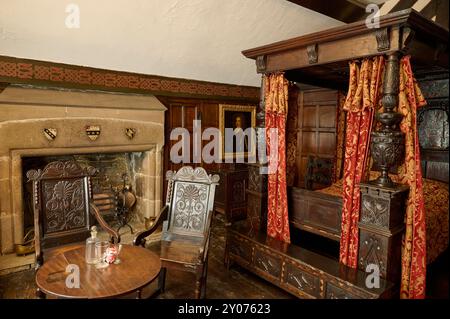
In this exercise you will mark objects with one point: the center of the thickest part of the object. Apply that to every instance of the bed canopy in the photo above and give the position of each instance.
(404, 43)
(321, 58)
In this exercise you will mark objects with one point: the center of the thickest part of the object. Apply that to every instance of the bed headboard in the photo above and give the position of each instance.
(432, 121)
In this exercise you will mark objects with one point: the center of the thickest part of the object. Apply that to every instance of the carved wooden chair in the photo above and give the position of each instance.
(63, 208)
(318, 171)
(186, 222)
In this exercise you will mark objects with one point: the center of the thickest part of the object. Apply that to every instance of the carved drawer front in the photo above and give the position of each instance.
(268, 263)
(301, 280)
(335, 292)
(241, 247)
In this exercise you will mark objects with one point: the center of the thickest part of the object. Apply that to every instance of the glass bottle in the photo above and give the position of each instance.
(91, 252)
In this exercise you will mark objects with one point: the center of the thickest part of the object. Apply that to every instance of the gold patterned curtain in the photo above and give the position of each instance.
(340, 139)
(362, 97)
(276, 101)
(410, 173)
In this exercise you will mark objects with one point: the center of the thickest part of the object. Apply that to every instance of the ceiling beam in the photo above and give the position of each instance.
(402, 5)
(349, 11)
(341, 10)
(438, 9)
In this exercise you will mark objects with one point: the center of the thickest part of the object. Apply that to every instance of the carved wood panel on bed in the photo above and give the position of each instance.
(434, 139)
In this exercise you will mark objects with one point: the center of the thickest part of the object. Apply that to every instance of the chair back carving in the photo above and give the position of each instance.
(61, 204)
(318, 170)
(190, 197)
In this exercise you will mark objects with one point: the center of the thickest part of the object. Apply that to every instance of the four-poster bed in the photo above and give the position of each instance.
(322, 59)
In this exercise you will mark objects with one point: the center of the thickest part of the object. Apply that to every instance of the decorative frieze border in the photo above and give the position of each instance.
(43, 73)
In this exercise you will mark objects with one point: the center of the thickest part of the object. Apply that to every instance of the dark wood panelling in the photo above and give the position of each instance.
(327, 143)
(327, 115)
(309, 116)
(316, 127)
(309, 145)
(433, 124)
(181, 112)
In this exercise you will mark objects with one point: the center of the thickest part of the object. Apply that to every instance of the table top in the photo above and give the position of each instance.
(137, 268)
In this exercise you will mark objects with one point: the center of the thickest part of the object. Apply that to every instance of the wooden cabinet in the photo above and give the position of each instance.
(231, 197)
(297, 270)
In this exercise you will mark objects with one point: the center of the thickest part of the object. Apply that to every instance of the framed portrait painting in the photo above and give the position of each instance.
(238, 140)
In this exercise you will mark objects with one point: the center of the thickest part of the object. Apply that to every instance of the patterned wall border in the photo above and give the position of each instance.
(42, 73)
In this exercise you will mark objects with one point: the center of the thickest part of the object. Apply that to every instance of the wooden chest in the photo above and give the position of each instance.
(299, 271)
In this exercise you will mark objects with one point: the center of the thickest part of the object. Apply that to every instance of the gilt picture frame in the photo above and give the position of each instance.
(237, 117)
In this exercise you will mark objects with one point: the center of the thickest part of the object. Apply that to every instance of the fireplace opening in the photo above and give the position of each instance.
(114, 172)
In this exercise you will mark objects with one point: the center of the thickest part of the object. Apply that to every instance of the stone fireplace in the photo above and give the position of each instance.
(37, 123)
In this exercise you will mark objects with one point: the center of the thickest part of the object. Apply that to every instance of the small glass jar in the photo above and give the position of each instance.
(91, 253)
(101, 249)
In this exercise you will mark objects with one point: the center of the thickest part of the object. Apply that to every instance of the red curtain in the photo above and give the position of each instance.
(276, 102)
(414, 241)
(362, 97)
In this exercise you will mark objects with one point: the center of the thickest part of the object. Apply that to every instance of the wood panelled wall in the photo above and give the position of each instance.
(316, 127)
(315, 124)
(181, 112)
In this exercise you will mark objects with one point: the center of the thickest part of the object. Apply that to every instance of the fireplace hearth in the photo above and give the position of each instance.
(116, 133)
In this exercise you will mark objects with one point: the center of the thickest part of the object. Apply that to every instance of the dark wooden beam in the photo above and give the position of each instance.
(402, 5)
(341, 10)
(50, 74)
(438, 8)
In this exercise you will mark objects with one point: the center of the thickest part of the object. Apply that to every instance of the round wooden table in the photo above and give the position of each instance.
(138, 267)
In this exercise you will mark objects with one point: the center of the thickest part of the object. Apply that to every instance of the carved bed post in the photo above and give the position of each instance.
(257, 182)
(388, 143)
(382, 201)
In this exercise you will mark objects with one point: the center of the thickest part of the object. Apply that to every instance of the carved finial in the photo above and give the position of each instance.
(313, 55)
(261, 64)
(383, 40)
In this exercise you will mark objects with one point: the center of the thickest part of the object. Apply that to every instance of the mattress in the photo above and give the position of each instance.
(436, 213)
